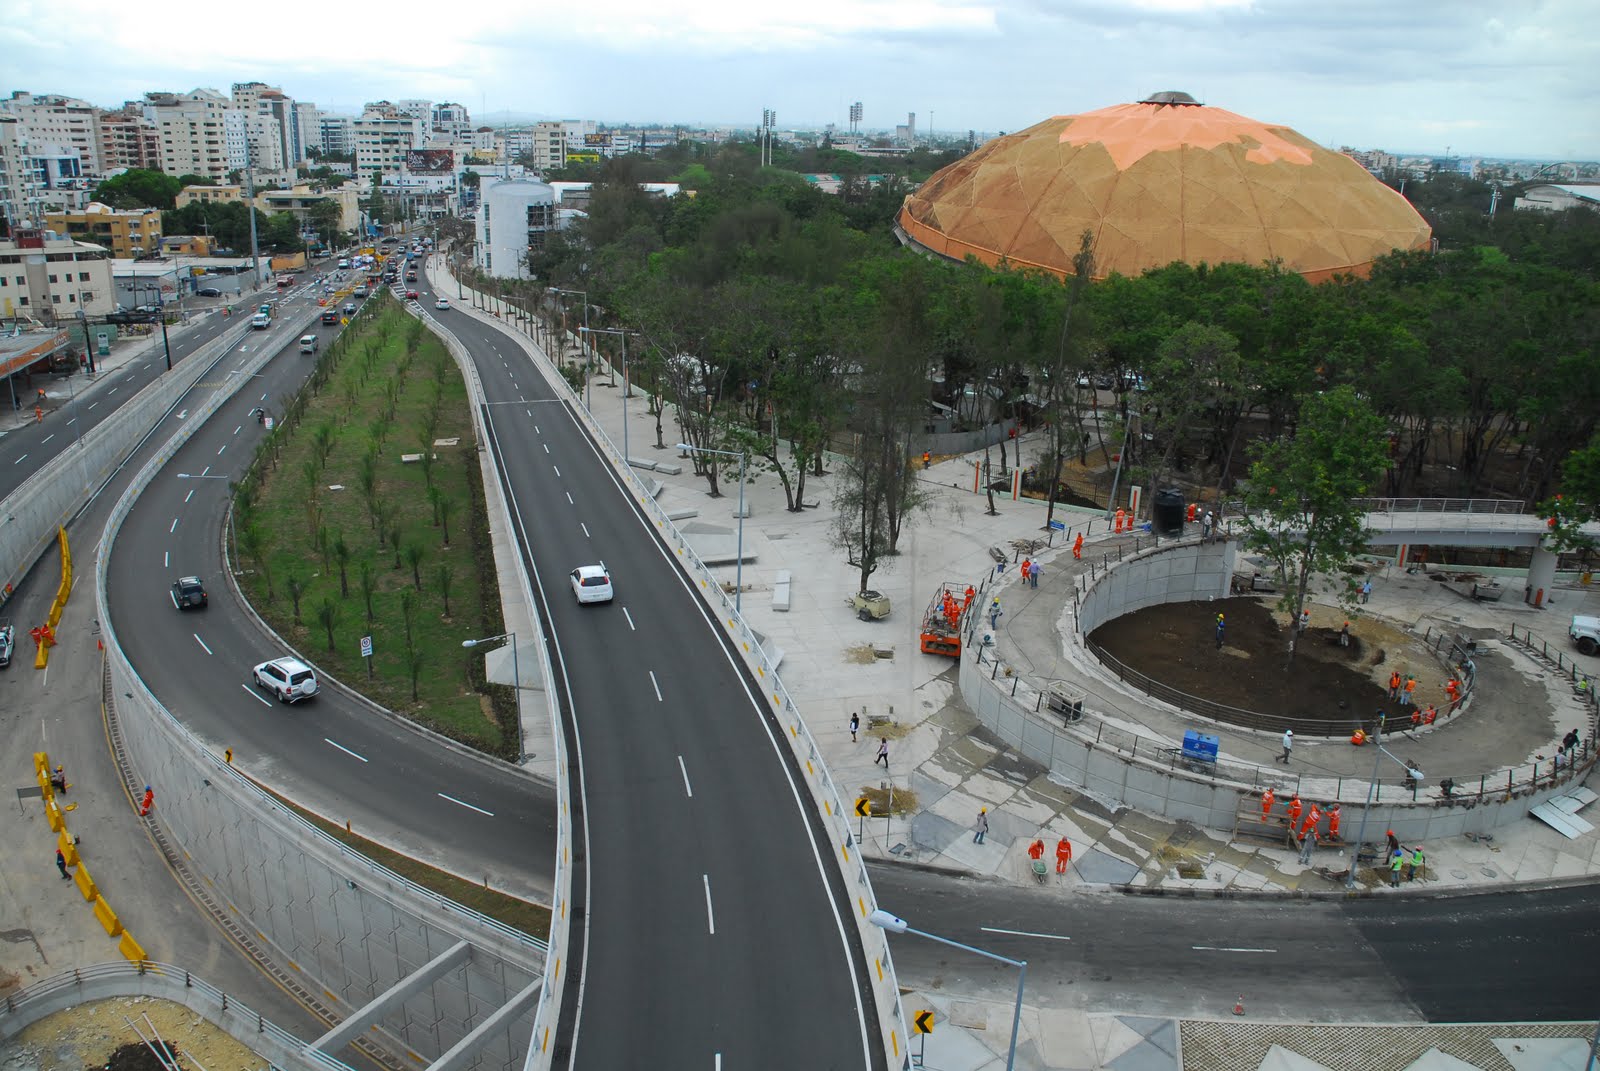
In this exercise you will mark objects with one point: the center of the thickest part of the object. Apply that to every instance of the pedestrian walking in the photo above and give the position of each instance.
(1063, 855)
(855, 725)
(1033, 576)
(1308, 844)
(981, 830)
(1027, 567)
(883, 752)
(994, 613)
(1305, 621)
(1344, 635)
(1288, 747)
(1077, 548)
(1221, 631)
(1366, 590)
(1569, 743)
(38, 414)
(1408, 693)
(1396, 862)
(61, 865)
(148, 802)
(1205, 527)
(1417, 861)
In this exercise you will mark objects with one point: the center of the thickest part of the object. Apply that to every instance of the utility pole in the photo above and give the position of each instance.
(255, 251)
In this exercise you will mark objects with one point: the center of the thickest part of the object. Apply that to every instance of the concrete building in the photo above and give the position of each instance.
(299, 199)
(337, 133)
(209, 195)
(548, 146)
(514, 217)
(1556, 197)
(50, 279)
(417, 109)
(273, 124)
(128, 234)
(35, 176)
(128, 139)
(451, 122)
(200, 133)
(382, 137)
(579, 133)
(51, 119)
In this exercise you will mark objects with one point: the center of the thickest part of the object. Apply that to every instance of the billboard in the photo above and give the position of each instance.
(430, 161)
(600, 140)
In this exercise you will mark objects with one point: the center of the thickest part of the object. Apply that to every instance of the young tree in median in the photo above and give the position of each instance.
(1303, 496)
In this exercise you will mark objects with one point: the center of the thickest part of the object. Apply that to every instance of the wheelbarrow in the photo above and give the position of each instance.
(1040, 871)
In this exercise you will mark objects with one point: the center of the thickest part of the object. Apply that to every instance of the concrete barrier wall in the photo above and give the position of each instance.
(1180, 572)
(349, 927)
(817, 779)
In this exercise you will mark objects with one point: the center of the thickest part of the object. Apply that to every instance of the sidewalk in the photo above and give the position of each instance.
(836, 665)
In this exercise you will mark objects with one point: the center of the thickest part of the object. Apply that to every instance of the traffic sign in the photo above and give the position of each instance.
(922, 1022)
(1058, 526)
(366, 647)
(864, 807)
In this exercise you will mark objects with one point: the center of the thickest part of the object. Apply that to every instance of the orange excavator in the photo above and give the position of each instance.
(941, 625)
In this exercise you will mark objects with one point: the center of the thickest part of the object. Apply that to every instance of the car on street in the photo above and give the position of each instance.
(349, 308)
(411, 295)
(592, 583)
(8, 642)
(330, 316)
(260, 322)
(442, 303)
(208, 291)
(189, 593)
(290, 679)
(360, 291)
(344, 262)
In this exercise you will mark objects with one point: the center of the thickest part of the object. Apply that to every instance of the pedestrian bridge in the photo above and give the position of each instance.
(1454, 522)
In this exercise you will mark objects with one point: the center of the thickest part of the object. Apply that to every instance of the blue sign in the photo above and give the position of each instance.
(1058, 526)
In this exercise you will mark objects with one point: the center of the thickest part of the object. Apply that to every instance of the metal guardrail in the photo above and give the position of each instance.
(808, 754)
(1481, 506)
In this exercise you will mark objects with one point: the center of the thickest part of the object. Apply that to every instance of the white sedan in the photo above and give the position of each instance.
(442, 303)
(592, 583)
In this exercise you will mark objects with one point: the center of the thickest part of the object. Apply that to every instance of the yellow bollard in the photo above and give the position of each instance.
(108, 918)
(86, 884)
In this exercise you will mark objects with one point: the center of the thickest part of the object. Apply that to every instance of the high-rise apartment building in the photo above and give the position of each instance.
(200, 133)
(549, 145)
(337, 133)
(452, 123)
(51, 119)
(382, 137)
(128, 139)
(36, 176)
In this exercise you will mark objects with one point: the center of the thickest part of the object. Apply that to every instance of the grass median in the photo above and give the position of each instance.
(363, 515)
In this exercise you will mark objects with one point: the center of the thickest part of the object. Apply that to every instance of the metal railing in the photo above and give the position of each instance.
(1583, 682)
(1491, 506)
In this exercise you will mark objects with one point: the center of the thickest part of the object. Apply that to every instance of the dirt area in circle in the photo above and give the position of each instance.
(1328, 685)
(89, 1034)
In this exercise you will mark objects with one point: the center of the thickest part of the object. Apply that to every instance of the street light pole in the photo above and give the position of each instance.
(166, 345)
(883, 919)
(738, 565)
(624, 333)
(516, 677)
(587, 378)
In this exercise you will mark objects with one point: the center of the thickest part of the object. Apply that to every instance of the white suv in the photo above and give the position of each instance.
(1585, 632)
(290, 679)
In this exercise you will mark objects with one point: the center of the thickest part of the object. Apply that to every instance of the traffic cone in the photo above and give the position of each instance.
(1238, 1007)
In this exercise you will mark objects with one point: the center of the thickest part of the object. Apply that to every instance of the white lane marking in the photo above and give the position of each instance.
(344, 749)
(224, 447)
(187, 497)
(1027, 933)
(1215, 948)
(174, 527)
(20, 460)
(113, 390)
(569, 499)
(654, 684)
(463, 803)
(263, 398)
(629, 616)
(536, 430)
(238, 429)
(557, 469)
(513, 384)
(546, 447)
(253, 694)
(711, 917)
(585, 528)
(687, 790)
(528, 411)
(93, 404)
(74, 420)
(166, 559)
(201, 642)
(47, 438)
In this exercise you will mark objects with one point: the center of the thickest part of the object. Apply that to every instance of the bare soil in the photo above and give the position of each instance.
(1331, 687)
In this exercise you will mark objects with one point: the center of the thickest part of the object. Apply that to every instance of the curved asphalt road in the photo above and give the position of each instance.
(332, 753)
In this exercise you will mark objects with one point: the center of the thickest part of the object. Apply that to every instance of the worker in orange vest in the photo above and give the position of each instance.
(1189, 514)
(1313, 816)
(1429, 715)
(1077, 547)
(1036, 849)
(1333, 822)
(1027, 567)
(1063, 855)
(1295, 807)
(1116, 525)
(1266, 804)
(1394, 685)
(927, 459)
(148, 802)
(1358, 737)
(971, 594)
(1416, 719)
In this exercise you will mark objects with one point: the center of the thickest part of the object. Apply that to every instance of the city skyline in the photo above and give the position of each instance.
(1468, 79)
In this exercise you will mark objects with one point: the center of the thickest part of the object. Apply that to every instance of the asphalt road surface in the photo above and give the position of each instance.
(474, 817)
(1500, 957)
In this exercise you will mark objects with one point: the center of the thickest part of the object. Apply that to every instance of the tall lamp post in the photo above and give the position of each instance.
(738, 565)
(587, 378)
(166, 345)
(625, 389)
(1377, 756)
(516, 677)
(883, 919)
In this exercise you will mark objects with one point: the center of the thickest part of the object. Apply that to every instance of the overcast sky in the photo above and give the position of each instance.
(1477, 77)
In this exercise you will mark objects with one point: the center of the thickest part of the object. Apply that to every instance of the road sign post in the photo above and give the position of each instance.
(864, 812)
(366, 652)
(921, 1025)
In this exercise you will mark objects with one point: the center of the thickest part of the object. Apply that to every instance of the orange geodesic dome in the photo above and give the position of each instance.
(1162, 180)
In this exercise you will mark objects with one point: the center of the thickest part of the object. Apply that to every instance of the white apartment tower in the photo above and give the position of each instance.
(51, 119)
(200, 133)
(382, 137)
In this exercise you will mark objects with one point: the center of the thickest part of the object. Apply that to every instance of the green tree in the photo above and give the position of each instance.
(328, 616)
(139, 188)
(1303, 496)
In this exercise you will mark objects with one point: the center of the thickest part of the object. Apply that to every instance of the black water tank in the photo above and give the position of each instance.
(1168, 512)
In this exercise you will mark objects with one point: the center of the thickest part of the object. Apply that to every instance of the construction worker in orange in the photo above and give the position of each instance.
(1394, 685)
(1416, 719)
(927, 459)
(1063, 855)
(1266, 804)
(971, 594)
(1036, 850)
(1189, 513)
(1027, 567)
(1358, 737)
(38, 414)
(1333, 822)
(148, 802)
(1429, 715)
(1313, 816)
(1452, 688)
(1295, 808)
(1077, 547)
(1121, 516)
